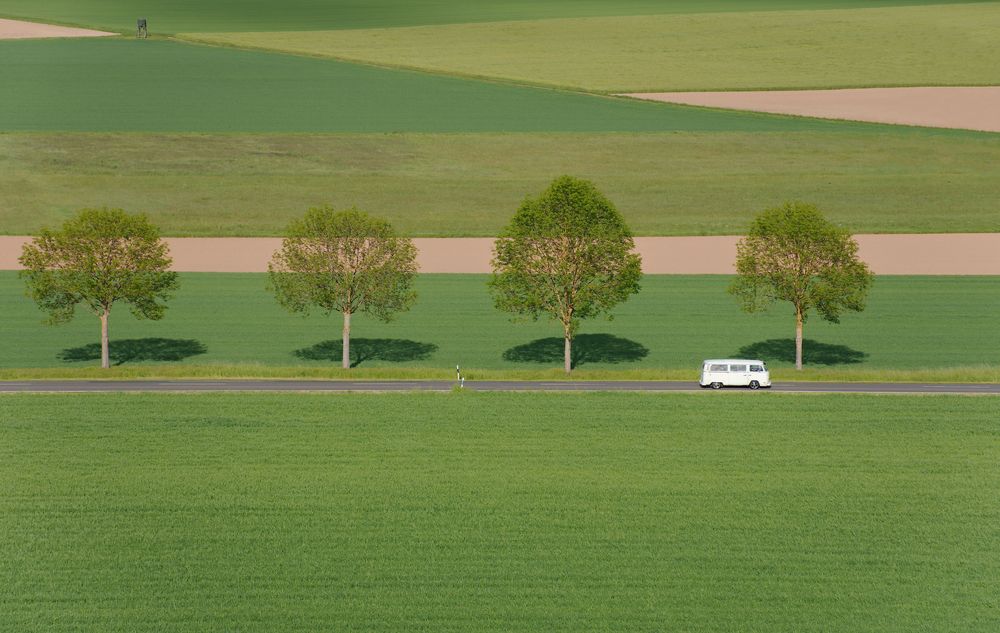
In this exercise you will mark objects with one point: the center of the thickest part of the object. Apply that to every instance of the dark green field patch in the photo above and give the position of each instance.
(121, 85)
(499, 512)
(675, 322)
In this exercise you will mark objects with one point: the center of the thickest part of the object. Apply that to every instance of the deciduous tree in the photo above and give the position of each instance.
(346, 262)
(566, 254)
(98, 258)
(792, 253)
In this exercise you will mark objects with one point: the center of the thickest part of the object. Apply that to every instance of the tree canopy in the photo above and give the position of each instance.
(792, 253)
(98, 258)
(346, 262)
(566, 254)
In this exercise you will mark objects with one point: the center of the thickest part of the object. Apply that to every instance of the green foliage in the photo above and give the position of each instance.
(566, 254)
(792, 253)
(344, 262)
(704, 513)
(98, 258)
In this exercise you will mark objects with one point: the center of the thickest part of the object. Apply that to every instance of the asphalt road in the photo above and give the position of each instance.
(81, 386)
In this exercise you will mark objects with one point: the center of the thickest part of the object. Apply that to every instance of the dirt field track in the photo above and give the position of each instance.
(19, 30)
(976, 108)
(942, 254)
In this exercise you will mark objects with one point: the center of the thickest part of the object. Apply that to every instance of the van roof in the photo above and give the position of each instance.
(733, 360)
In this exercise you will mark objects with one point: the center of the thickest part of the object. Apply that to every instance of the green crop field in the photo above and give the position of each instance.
(437, 155)
(471, 184)
(495, 512)
(261, 15)
(119, 85)
(499, 512)
(156, 86)
(899, 46)
(911, 323)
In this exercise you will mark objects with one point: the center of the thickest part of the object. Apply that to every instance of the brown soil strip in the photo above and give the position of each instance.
(921, 254)
(973, 108)
(19, 30)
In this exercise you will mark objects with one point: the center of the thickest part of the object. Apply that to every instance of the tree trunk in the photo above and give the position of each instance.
(567, 351)
(105, 355)
(798, 340)
(345, 359)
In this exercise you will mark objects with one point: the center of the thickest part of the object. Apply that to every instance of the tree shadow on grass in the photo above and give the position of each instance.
(394, 350)
(132, 350)
(587, 348)
(813, 352)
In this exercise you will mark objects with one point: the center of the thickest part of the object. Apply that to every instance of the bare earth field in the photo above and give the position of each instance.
(922, 254)
(19, 30)
(970, 108)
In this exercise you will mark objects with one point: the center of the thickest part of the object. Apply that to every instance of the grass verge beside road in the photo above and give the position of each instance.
(986, 374)
(690, 183)
(923, 324)
(487, 512)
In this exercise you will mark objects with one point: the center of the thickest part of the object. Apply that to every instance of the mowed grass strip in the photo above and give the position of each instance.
(499, 512)
(901, 46)
(268, 15)
(912, 323)
(470, 184)
(134, 85)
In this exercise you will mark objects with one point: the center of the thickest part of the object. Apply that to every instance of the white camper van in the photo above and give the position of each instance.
(734, 372)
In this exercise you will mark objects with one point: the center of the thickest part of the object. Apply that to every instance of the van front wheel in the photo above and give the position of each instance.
(716, 385)
(754, 384)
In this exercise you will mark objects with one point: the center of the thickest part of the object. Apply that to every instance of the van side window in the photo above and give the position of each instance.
(718, 368)
(756, 368)
(737, 368)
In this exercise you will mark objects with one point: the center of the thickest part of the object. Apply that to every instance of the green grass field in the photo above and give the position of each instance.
(899, 46)
(267, 15)
(499, 512)
(447, 184)
(495, 512)
(912, 323)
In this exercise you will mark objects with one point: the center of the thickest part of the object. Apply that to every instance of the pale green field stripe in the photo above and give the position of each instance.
(900, 46)
(444, 185)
